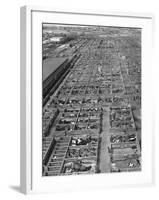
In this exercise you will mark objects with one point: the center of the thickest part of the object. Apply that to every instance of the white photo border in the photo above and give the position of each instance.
(32, 180)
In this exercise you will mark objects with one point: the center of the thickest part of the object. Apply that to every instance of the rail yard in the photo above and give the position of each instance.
(91, 121)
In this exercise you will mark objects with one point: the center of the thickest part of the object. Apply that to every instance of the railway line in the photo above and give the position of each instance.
(93, 122)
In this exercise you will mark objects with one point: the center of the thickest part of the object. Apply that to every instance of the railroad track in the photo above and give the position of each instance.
(99, 79)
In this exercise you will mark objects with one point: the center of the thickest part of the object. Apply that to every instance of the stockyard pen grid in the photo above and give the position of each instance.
(91, 119)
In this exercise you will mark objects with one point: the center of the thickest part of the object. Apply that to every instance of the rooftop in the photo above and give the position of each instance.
(50, 65)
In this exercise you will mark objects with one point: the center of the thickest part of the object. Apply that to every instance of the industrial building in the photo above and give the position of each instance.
(91, 119)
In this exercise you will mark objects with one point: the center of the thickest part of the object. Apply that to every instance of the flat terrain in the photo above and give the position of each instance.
(91, 122)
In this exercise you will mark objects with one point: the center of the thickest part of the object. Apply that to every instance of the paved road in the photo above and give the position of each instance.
(105, 142)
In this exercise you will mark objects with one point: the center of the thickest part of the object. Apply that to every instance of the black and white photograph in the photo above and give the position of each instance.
(91, 99)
